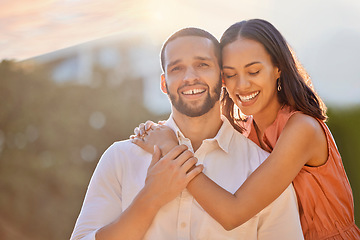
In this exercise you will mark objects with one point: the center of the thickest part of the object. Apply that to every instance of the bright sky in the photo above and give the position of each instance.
(34, 27)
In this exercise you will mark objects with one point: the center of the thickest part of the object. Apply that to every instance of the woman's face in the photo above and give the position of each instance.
(250, 77)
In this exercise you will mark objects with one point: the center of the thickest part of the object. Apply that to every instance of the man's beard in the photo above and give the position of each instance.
(190, 111)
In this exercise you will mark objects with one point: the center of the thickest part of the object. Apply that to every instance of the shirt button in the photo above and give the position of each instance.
(183, 225)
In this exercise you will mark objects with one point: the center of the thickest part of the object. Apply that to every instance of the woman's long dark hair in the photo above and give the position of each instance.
(296, 87)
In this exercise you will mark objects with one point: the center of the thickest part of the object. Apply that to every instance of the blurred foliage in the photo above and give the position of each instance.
(48, 148)
(50, 145)
(345, 127)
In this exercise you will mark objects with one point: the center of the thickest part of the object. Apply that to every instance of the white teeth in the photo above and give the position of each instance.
(193, 91)
(248, 97)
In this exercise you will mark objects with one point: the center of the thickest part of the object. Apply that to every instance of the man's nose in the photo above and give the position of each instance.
(190, 75)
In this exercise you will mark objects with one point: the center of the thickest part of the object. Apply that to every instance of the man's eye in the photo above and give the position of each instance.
(175, 69)
(203, 65)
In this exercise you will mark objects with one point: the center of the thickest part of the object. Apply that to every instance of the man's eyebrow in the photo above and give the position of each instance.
(196, 57)
(203, 58)
(247, 65)
(173, 63)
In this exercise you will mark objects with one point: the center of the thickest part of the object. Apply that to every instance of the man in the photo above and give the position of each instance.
(133, 195)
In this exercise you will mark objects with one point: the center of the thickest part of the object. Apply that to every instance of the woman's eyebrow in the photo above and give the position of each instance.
(250, 64)
(247, 65)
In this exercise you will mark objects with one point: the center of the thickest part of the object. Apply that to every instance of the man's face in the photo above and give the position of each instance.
(192, 75)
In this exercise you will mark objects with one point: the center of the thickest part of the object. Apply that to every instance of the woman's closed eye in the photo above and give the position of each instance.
(254, 73)
(227, 76)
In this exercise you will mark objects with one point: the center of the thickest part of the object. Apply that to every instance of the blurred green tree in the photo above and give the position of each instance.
(345, 127)
(51, 137)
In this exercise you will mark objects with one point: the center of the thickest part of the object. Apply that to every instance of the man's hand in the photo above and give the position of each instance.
(169, 175)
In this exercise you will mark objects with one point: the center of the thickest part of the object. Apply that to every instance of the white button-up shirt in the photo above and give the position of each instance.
(229, 158)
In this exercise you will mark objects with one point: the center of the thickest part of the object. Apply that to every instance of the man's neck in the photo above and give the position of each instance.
(200, 128)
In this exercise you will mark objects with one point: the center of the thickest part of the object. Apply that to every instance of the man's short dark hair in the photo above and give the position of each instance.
(188, 32)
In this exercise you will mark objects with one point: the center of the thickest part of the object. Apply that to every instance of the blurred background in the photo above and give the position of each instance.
(77, 75)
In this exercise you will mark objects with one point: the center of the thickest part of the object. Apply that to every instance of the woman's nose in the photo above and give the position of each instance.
(242, 83)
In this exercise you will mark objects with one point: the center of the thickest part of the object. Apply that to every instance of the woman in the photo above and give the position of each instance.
(264, 80)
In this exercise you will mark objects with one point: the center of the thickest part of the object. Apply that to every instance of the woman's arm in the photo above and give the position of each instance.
(301, 142)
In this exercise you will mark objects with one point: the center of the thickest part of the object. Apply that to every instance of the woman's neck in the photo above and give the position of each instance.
(265, 118)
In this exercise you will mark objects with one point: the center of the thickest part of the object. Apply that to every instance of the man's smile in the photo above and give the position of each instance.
(193, 91)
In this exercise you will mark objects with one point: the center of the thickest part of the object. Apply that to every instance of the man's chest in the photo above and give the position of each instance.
(183, 217)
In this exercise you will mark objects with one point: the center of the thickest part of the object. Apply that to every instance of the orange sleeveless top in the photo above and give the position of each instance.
(324, 194)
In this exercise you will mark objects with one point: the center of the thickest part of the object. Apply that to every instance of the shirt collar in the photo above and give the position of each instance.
(171, 124)
(222, 138)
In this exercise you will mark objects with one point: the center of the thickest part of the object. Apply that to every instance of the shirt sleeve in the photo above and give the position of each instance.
(280, 220)
(103, 199)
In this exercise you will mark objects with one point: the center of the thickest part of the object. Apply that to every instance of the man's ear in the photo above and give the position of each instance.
(163, 84)
(222, 79)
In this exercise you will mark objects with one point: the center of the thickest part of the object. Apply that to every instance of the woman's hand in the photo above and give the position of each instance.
(142, 129)
(150, 134)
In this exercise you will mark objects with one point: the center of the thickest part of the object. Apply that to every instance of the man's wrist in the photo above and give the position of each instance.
(148, 200)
